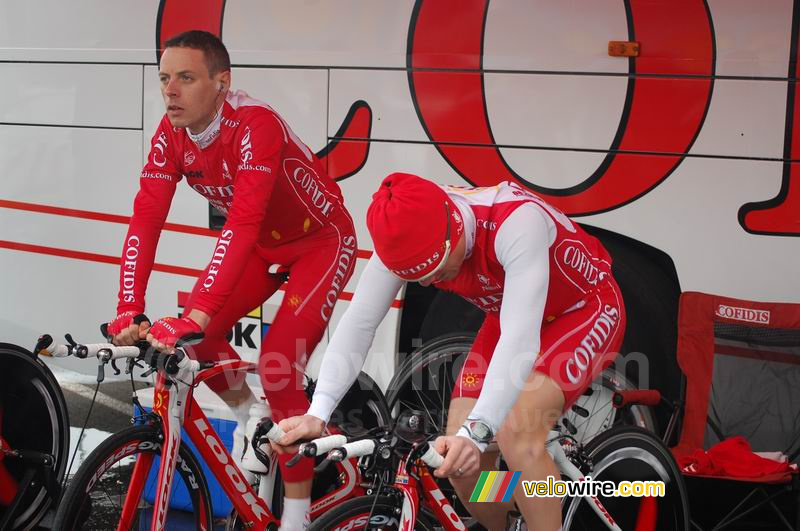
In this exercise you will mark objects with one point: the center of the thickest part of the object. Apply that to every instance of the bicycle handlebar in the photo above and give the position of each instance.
(271, 430)
(431, 457)
(322, 445)
(353, 449)
(172, 364)
(338, 450)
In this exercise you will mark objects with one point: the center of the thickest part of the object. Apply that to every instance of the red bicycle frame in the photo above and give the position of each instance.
(432, 497)
(174, 403)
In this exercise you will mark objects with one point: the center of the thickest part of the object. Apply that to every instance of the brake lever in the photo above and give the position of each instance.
(73, 347)
(114, 366)
(322, 466)
(294, 460)
(131, 363)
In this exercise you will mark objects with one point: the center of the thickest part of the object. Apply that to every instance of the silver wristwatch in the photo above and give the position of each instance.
(479, 431)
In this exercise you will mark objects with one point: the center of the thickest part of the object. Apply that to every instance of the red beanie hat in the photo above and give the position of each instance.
(408, 221)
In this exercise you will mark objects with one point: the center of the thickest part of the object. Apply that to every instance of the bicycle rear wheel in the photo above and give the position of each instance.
(33, 418)
(96, 495)
(632, 454)
(369, 513)
(425, 381)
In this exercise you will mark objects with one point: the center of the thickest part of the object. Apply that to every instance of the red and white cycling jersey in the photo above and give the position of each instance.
(578, 262)
(250, 165)
(552, 304)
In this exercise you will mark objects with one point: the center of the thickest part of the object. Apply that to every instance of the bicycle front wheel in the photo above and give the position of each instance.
(369, 513)
(105, 484)
(632, 454)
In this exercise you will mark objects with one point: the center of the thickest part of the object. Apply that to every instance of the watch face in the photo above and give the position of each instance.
(481, 431)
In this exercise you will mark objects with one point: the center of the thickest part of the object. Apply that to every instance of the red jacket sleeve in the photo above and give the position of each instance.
(156, 187)
(261, 140)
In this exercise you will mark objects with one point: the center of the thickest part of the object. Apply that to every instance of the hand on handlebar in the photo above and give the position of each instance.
(128, 327)
(299, 428)
(169, 332)
(461, 457)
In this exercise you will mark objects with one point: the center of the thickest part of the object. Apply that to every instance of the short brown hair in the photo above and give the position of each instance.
(215, 53)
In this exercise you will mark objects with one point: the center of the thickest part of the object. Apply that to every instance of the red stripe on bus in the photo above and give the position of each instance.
(91, 257)
(114, 260)
(98, 216)
(115, 218)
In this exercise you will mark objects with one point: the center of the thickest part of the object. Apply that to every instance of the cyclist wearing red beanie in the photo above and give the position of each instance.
(554, 319)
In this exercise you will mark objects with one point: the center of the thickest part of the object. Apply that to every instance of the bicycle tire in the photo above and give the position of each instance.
(364, 512)
(631, 454)
(109, 465)
(37, 421)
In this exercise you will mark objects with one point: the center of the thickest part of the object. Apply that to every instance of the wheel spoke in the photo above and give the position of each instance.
(107, 490)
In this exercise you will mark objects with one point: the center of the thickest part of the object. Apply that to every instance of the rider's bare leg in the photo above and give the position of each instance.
(299, 489)
(491, 515)
(522, 441)
(239, 400)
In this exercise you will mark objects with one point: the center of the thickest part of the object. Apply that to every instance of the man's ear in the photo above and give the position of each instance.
(224, 81)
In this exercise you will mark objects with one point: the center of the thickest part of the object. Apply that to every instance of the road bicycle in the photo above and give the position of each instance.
(426, 379)
(117, 486)
(404, 495)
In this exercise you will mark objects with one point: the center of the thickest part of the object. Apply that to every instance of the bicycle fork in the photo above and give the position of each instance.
(563, 463)
(169, 406)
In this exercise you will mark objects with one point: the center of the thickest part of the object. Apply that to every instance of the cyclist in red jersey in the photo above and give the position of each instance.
(554, 320)
(282, 210)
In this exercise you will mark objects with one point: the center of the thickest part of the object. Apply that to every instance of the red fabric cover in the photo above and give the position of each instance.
(696, 317)
(733, 458)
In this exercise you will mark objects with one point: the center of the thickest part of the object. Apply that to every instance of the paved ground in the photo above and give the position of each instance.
(112, 408)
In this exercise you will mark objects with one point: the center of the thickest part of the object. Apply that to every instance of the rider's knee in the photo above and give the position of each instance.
(521, 451)
(521, 445)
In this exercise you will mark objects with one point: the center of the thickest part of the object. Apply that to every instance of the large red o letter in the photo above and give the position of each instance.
(660, 121)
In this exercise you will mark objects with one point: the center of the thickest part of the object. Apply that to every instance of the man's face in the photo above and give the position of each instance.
(451, 267)
(190, 93)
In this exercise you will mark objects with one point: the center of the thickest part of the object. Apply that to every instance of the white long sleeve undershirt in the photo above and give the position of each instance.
(521, 245)
(353, 336)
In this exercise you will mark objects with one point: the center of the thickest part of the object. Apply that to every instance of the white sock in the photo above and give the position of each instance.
(295, 514)
(242, 410)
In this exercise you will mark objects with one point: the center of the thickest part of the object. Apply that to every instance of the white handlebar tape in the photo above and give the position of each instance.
(275, 433)
(56, 351)
(325, 444)
(189, 365)
(116, 352)
(432, 458)
(358, 448)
